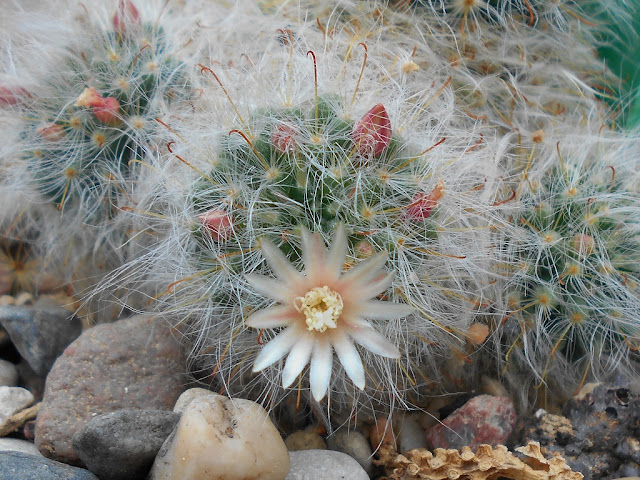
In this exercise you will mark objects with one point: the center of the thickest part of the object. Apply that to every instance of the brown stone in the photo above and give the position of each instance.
(131, 364)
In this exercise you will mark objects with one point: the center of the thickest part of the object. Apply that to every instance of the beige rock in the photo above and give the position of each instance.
(188, 396)
(222, 439)
(302, 440)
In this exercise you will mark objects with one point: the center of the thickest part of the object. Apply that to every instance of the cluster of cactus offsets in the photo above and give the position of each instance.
(99, 116)
(573, 247)
(88, 126)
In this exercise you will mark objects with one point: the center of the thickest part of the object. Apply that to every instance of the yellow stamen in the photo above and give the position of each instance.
(322, 308)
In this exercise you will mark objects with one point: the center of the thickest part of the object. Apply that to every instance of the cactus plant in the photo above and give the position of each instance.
(316, 160)
(573, 297)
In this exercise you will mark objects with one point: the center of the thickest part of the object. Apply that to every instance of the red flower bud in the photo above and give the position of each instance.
(372, 134)
(11, 96)
(108, 112)
(284, 138)
(89, 98)
(422, 203)
(51, 133)
(127, 14)
(217, 224)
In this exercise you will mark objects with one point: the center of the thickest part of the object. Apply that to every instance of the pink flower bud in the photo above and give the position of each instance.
(11, 96)
(108, 112)
(217, 223)
(372, 134)
(422, 203)
(364, 249)
(284, 138)
(584, 244)
(51, 133)
(127, 14)
(89, 98)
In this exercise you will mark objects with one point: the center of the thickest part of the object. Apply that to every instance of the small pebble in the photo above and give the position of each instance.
(40, 335)
(17, 445)
(6, 299)
(355, 445)
(231, 438)
(324, 465)
(482, 420)
(13, 400)
(410, 433)
(20, 466)
(302, 440)
(122, 445)
(24, 298)
(8, 374)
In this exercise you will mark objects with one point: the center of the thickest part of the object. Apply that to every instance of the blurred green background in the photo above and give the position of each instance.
(623, 56)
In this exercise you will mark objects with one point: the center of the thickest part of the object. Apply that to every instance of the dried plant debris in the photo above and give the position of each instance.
(597, 434)
(488, 463)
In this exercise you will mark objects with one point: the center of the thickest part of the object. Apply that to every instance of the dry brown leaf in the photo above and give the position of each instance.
(488, 463)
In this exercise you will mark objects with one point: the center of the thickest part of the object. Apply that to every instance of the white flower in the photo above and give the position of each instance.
(323, 309)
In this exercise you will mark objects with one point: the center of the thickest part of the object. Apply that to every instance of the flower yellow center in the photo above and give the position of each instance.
(321, 306)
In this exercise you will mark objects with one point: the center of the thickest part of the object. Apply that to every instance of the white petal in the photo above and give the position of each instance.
(272, 317)
(297, 360)
(313, 253)
(321, 365)
(349, 358)
(280, 265)
(277, 348)
(366, 270)
(269, 287)
(375, 310)
(364, 335)
(356, 293)
(338, 252)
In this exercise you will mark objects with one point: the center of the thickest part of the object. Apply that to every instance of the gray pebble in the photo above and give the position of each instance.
(17, 445)
(20, 466)
(8, 374)
(410, 434)
(122, 445)
(13, 400)
(354, 444)
(324, 465)
(40, 335)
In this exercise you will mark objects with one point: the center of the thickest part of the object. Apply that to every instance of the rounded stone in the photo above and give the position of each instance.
(131, 364)
(19, 466)
(8, 374)
(324, 465)
(482, 420)
(17, 445)
(13, 400)
(302, 440)
(39, 334)
(188, 396)
(219, 438)
(410, 434)
(354, 444)
(122, 445)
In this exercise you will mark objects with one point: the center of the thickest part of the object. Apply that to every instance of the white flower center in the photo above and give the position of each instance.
(322, 307)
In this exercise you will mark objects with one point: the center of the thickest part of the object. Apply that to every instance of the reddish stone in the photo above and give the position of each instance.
(482, 420)
(132, 364)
